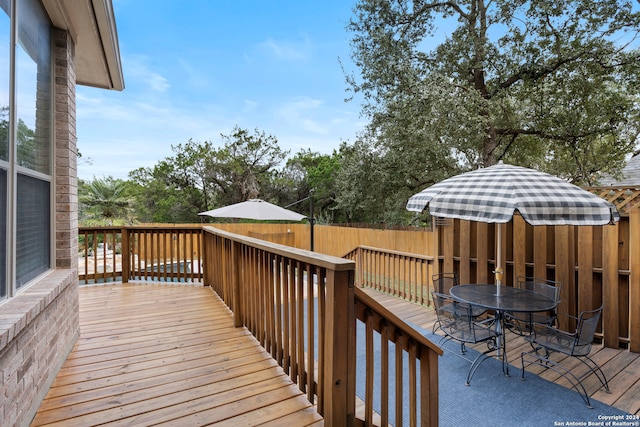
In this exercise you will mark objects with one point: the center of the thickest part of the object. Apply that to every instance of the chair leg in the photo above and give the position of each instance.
(476, 363)
(435, 327)
(550, 364)
(596, 370)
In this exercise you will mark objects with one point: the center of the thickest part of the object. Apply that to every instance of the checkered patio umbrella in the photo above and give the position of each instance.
(494, 193)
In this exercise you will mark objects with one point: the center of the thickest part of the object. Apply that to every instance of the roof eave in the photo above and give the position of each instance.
(92, 25)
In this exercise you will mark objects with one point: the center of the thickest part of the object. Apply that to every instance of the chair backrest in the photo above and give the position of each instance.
(443, 282)
(455, 317)
(544, 287)
(585, 331)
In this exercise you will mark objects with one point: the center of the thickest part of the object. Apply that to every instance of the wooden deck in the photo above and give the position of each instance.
(162, 354)
(621, 367)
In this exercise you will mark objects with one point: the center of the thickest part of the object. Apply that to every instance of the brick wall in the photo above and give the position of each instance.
(42, 328)
(40, 325)
(66, 159)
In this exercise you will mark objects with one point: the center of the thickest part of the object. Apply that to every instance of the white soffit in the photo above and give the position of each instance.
(92, 25)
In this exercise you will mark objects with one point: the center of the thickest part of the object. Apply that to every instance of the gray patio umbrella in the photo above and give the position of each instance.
(494, 193)
(255, 209)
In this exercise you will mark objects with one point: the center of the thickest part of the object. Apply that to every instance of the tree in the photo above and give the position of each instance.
(243, 168)
(199, 177)
(551, 84)
(26, 140)
(357, 178)
(4, 133)
(105, 202)
(371, 184)
(175, 189)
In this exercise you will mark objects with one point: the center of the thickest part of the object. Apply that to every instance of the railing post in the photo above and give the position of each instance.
(429, 392)
(125, 255)
(235, 286)
(204, 251)
(360, 264)
(339, 350)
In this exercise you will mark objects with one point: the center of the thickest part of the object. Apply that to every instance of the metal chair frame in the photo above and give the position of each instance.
(442, 284)
(457, 322)
(545, 287)
(548, 339)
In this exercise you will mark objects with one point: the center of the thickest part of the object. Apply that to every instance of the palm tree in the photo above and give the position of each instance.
(105, 202)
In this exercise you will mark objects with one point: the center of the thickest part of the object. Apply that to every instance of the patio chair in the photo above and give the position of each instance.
(442, 284)
(522, 323)
(457, 323)
(548, 340)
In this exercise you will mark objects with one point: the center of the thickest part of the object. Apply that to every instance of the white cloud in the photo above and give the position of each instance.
(290, 51)
(138, 70)
(250, 105)
(298, 113)
(157, 82)
(193, 75)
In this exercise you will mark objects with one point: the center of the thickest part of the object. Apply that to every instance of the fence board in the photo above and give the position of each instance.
(519, 247)
(465, 252)
(634, 280)
(610, 286)
(586, 297)
(564, 271)
(540, 251)
(482, 253)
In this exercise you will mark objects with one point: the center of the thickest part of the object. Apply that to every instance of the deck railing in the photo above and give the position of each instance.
(100, 254)
(153, 253)
(401, 274)
(302, 307)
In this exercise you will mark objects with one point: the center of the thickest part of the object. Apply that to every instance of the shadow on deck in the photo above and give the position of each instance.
(161, 354)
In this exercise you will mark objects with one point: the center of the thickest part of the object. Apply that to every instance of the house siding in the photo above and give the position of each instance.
(40, 325)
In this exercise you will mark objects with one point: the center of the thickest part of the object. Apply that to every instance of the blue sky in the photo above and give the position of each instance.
(196, 69)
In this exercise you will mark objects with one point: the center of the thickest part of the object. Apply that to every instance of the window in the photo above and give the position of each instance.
(5, 59)
(25, 144)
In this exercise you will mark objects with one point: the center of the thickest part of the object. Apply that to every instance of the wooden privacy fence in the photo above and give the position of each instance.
(401, 274)
(157, 253)
(302, 307)
(595, 265)
(337, 240)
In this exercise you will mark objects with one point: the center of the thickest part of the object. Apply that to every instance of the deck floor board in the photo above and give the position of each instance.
(152, 354)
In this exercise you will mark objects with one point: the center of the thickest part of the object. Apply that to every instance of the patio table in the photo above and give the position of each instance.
(510, 300)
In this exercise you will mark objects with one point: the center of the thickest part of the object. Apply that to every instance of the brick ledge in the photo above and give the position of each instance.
(21, 310)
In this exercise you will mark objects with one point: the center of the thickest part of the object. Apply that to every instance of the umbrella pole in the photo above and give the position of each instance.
(499, 269)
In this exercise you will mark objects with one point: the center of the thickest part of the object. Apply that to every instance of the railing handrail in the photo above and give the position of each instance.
(390, 251)
(321, 260)
(402, 274)
(396, 321)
